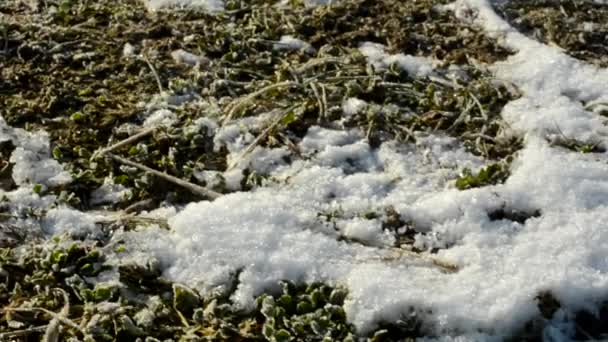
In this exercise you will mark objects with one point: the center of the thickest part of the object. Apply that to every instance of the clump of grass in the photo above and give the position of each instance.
(305, 312)
(579, 26)
(490, 175)
(577, 145)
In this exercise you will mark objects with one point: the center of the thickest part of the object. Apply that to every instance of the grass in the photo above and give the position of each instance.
(101, 94)
(578, 26)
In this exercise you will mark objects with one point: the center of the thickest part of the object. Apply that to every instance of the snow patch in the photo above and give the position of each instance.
(415, 66)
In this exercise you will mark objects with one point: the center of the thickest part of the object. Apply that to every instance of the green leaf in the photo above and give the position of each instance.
(58, 256)
(78, 116)
(282, 335)
(102, 293)
(185, 300)
(268, 331)
(317, 298)
(57, 153)
(289, 118)
(121, 179)
(304, 307)
(37, 189)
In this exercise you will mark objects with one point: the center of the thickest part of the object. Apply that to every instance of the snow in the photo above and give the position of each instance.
(161, 117)
(32, 157)
(65, 220)
(368, 231)
(292, 43)
(274, 232)
(353, 106)
(416, 66)
(128, 51)
(284, 230)
(184, 57)
(109, 193)
(209, 5)
(35, 167)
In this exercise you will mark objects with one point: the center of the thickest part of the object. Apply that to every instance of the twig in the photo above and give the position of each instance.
(445, 82)
(260, 137)
(461, 117)
(123, 143)
(324, 99)
(319, 101)
(481, 110)
(237, 104)
(158, 82)
(109, 217)
(195, 189)
(51, 334)
(478, 136)
(5, 36)
(56, 316)
(318, 61)
(25, 332)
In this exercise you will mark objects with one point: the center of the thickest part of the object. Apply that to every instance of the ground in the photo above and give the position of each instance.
(281, 170)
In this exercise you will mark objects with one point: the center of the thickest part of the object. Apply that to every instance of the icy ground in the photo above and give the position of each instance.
(276, 232)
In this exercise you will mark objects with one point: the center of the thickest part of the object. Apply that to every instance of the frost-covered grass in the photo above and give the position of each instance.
(294, 170)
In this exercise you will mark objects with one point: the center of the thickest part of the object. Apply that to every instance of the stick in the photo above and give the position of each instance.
(124, 142)
(25, 332)
(234, 106)
(260, 137)
(319, 101)
(158, 82)
(195, 189)
(51, 334)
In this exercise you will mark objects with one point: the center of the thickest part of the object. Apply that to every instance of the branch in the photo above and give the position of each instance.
(195, 189)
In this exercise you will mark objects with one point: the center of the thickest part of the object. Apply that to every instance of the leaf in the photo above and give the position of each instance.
(282, 335)
(289, 118)
(57, 153)
(37, 189)
(184, 299)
